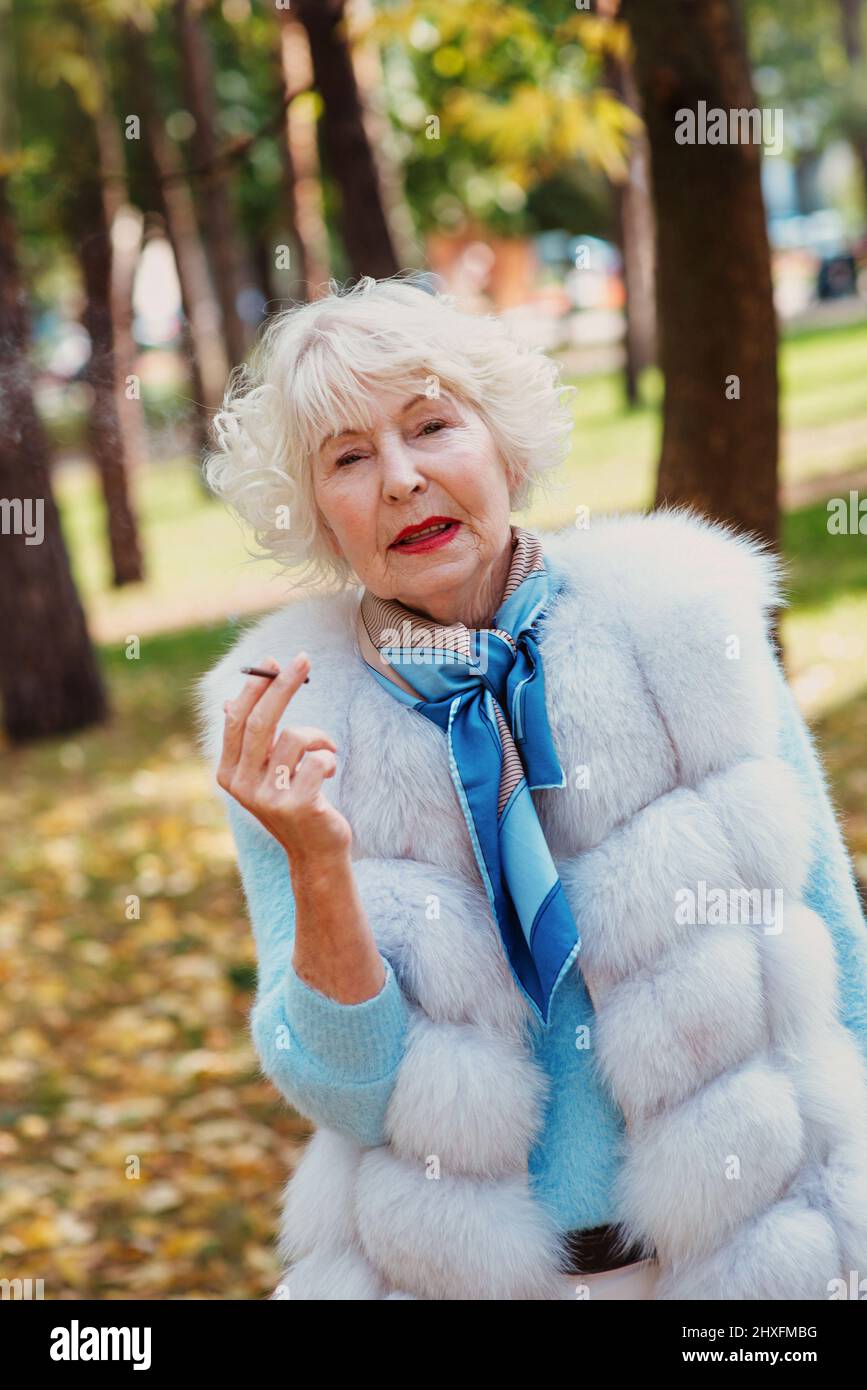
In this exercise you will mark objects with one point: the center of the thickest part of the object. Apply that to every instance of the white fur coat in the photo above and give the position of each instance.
(745, 1097)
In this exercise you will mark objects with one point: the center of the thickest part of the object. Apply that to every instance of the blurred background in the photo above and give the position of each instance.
(172, 173)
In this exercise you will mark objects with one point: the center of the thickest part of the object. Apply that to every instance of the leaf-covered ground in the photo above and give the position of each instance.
(142, 1152)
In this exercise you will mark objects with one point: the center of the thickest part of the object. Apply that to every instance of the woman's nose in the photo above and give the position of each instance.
(400, 472)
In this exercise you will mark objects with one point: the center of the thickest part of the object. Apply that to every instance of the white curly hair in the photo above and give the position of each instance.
(315, 372)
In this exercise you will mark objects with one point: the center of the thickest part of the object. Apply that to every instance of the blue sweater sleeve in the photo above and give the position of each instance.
(335, 1063)
(830, 886)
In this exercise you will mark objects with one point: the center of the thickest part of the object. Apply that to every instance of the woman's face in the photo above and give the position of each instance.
(422, 458)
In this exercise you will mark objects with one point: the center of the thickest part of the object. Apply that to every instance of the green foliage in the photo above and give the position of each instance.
(492, 103)
(800, 64)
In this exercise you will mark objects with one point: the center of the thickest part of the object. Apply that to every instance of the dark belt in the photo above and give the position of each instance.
(599, 1249)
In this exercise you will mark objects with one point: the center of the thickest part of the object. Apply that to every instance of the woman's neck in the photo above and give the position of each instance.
(371, 655)
(477, 609)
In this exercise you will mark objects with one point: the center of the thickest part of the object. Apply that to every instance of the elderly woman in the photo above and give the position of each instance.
(566, 963)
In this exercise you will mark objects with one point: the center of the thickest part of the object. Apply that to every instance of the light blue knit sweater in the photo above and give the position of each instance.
(337, 1063)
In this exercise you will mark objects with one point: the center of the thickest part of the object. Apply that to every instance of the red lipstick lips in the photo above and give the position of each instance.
(405, 539)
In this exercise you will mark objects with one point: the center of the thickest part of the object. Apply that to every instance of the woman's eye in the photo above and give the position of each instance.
(429, 427)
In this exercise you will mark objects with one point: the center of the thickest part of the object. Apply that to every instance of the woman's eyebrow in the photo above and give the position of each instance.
(346, 434)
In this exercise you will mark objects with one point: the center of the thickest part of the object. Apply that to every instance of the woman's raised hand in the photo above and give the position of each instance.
(280, 782)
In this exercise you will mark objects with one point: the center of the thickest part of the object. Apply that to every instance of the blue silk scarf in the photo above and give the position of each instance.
(485, 688)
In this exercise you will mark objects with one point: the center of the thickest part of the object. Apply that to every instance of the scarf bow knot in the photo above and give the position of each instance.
(485, 689)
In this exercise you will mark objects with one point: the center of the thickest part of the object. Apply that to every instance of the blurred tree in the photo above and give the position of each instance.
(635, 234)
(79, 156)
(89, 201)
(171, 198)
(809, 58)
(212, 184)
(300, 155)
(717, 324)
(852, 14)
(49, 677)
(369, 71)
(267, 123)
(124, 224)
(89, 231)
(348, 157)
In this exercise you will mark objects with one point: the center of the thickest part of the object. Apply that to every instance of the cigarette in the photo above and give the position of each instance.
(257, 671)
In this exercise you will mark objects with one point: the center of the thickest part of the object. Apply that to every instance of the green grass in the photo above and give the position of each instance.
(823, 378)
(191, 542)
(612, 459)
(823, 567)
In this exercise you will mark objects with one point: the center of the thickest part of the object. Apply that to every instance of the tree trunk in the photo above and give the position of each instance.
(90, 233)
(633, 211)
(106, 234)
(209, 366)
(717, 324)
(853, 40)
(217, 215)
(302, 183)
(368, 65)
(260, 255)
(852, 16)
(363, 226)
(49, 677)
(124, 225)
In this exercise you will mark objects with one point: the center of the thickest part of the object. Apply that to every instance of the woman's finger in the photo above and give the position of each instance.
(314, 768)
(262, 719)
(236, 712)
(291, 747)
(299, 739)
